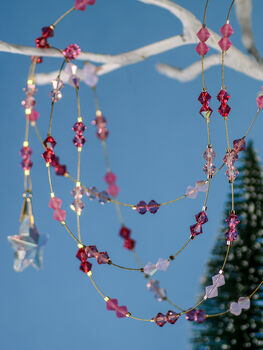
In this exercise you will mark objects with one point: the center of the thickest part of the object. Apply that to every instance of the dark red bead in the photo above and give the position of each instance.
(81, 255)
(79, 128)
(26, 164)
(49, 142)
(160, 319)
(204, 97)
(85, 266)
(48, 155)
(204, 109)
(129, 243)
(61, 169)
(102, 258)
(79, 140)
(125, 232)
(224, 110)
(223, 96)
(47, 32)
(54, 160)
(42, 43)
(172, 317)
(196, 229)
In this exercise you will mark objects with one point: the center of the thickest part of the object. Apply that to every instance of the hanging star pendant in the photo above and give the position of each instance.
(28, 246)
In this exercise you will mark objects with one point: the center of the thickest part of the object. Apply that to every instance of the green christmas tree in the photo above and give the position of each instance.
(243, 272)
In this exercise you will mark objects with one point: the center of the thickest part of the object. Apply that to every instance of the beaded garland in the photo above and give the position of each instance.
(28, 244)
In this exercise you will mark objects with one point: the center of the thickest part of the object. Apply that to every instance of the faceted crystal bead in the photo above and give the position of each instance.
(218, 280)
(29, 102)
(85, 266)
(112, 304)
(79, 128)
(79, 140)
(231, 173)
(209, 154)
(125, 232)
(92, 193)
(78, 192)
(205, 111)
(61, 170)
(91, 251)
(110, 178)
(26, 164)
(75, 81)
(103, 197)
(239, 145)
(226, 30)
(48, 155)
(225, 44)
(191, 192)
(59, 215)
(80, 5)
(190, 315)
(57, 84)
(78, 206)
(42, 43)
(223, 96)
(55, 203)
(259, 101)
(91, 2)
(211, 291)
(203, 34)
(201, 186)
(202, 49)
(113, 190)
(72, 51)
(196, 230)
(102, 134)
(129, 243)
(232, 221)
(141, 207)
(235, 309)
(160, 319)
(47, 32)
(102, 258)
(54, 160)
(153, 285)
(100, 121)
(90, 74)
(162, 264)
(172, 317)
(49, 142)
(153, 207)
(209, 169)
(33, 116)
(150, 269)
(224, 110)
(160, 294)
(81, 255)
(26, 152)
(121, 311)
(231, 235)
(244, 303)
(200, 316)
(201, 217)
(55, 95)
(204, 97)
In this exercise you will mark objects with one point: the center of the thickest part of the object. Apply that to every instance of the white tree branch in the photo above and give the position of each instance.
(235, 60)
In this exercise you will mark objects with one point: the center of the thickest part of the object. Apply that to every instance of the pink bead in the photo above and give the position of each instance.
(113, 190)
(202, 49)
(82, 4)
(112, 304)
(59, 215)
(110, 178)
(203, 34)
(121, 311)
(225, 44)
(33, 116)
(55, 203)
(102, 134)
(72, 51)
(260, 101)
(226, 30)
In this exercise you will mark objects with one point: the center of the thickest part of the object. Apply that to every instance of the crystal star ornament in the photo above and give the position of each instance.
(28, 246)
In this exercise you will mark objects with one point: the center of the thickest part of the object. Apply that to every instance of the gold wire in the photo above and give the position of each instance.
(227, 135)
(260, 284)
(203, 73)
(180, 250)
(208, 130)
(223, 69)
(38, 134)
(232, 194)
(119, 214)
(78, 225)
(51, 118)
(96, 98)
(27, 129)
(49, 179)
(96, 287)
(136, 257)
(125, 268)
(227, 20)
(207, 191)
(192, 308)
(106, 155)
(174, 200)
(253, 121)
(173, 304)
(218, 169)
(226, 257)
(78, 173)
(205, 12)
(141, 319)
(69, 231)
(219, 314)
(64, 15)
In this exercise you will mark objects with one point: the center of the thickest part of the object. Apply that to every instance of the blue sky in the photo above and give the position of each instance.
(156, 143)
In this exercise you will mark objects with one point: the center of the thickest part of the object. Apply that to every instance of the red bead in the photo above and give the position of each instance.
(61, 169)
(125, 232)
(102, 258)
(102, 134)
(172, 317)
(79, 140)
(79, 128)
(47, 32)
(42, 43)
(85, 266)
(81, 255)
(48, 155)
(160, 319)
(112, 304)
(224, 110)
(201, 217)
(36, 59)
(129, 244)
(49, 142)
(204, 109)
(204, 97)
(223, 96)
(54, 160)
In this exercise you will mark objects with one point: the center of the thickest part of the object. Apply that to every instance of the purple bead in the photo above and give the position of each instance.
(231, 235)
(239, 145)
(26, 164)
(232, 221)
(141, 207)
(103, 197)
(196, 230)
(172, 317)
(25, 152)
(91, 251)
(79, 128)
(153, 207)
(160, 319)
(79, 140)
(190, 315)
(200, 316)
(201, 217)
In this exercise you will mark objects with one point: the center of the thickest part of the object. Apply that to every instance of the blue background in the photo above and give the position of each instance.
(156, 143)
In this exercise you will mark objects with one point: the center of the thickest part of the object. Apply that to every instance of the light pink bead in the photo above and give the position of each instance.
(162, 264)
(55, 203)
(260, 101)
(33, 116)
(202, 49)
(203, 34)
(59, 215)
(113, 190)
(191, 192)
(224, 44)
(226, 30)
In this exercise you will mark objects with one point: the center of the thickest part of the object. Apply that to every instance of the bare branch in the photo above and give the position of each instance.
(243, 11)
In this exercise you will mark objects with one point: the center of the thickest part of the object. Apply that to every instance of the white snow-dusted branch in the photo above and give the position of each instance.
(235, 59)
